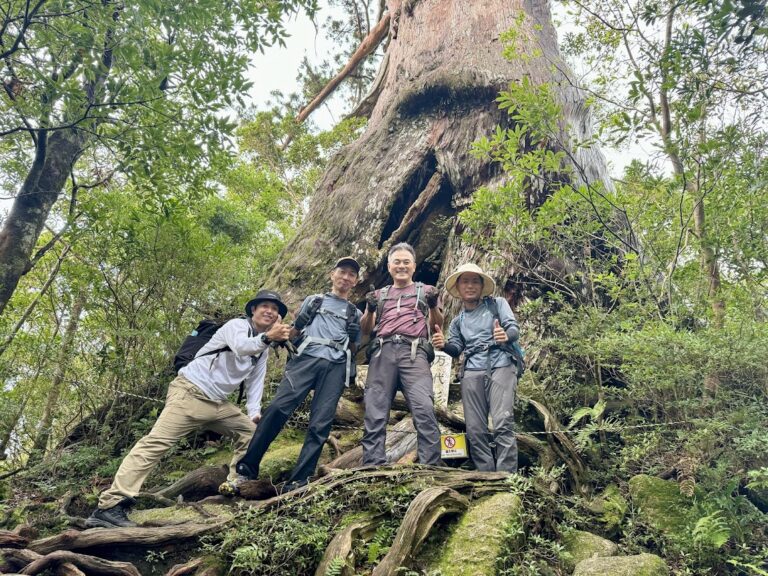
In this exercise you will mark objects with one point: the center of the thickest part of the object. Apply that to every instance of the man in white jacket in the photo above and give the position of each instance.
(197, 399)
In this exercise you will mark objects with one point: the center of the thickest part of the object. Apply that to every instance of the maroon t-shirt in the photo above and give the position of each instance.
(400, 313)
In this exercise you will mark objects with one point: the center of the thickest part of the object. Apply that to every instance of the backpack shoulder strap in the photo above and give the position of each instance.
(493, 306)
(351, 315)
(383, 291)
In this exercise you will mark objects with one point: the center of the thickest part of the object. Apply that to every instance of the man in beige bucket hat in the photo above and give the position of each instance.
(484, 331)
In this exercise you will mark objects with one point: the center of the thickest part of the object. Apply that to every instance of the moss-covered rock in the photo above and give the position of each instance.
(472, 548)
(581, 545)
(639, 565)
(660, 504)
(611, 506)
(171, 515)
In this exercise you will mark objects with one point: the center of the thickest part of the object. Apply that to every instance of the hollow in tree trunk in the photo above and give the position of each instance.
(411, 172)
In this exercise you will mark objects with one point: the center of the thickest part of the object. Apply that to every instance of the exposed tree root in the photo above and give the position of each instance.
(73, 561)
(187, 568)
(423, 512)
(197, 484)
(76, 540)
(561, 444)
(343, 543)
(12, 539)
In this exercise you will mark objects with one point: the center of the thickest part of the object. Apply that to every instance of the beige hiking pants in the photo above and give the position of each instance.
(186, 409)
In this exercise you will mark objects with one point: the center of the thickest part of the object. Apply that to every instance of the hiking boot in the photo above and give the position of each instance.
(115, 517)
(231, 488)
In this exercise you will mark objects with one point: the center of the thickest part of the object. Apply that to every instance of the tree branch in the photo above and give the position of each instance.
(368, 45)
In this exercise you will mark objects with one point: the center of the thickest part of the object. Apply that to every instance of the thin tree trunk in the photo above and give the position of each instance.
(63, 361)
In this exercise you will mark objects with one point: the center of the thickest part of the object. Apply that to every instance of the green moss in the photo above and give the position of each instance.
(281, 456)
(473, 546)
(660, 504)
(177, 515)
(581, 545)
(611, 506)
(640, 565)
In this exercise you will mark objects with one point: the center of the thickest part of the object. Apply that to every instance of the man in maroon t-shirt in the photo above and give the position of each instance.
(400, 359)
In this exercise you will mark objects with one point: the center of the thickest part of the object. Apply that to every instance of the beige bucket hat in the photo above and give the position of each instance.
(488, 283)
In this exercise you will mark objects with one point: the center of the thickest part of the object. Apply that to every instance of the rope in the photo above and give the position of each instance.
(300, 421)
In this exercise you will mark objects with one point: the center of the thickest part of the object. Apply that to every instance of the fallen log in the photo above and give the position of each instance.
(89, 564)
(421, 515)
(79, 540)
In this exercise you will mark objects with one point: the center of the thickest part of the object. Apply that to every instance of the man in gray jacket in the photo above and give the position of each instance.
(197, 399)
(483, 331)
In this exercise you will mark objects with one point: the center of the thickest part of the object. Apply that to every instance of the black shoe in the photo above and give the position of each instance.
(244, 470)
(115, 517)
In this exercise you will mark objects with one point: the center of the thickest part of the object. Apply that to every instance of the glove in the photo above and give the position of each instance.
(431, 297)
(372, 301)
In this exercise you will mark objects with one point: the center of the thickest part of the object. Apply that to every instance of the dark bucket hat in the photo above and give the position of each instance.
(266, 296)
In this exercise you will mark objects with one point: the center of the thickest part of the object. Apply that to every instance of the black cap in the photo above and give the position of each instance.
(348, 261)
(266, 296)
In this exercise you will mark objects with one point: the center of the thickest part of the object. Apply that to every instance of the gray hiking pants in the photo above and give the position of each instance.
(302, 374)
(388, 370)
(497, 400)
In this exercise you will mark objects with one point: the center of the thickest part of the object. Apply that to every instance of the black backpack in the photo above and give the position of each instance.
(198, 338)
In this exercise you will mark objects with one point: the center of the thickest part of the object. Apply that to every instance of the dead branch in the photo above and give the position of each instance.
(421, 515)
(368, 45)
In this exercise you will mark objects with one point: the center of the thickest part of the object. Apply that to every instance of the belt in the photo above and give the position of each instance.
(400, 339)
(342, 347)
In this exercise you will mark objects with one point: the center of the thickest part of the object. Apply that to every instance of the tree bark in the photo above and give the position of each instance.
(411, 173)
(55, 156)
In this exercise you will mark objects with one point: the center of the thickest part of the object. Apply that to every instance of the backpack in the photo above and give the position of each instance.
(512, 348)
(198, 338)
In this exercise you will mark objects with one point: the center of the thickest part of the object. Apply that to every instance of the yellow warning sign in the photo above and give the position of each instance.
(453, 446)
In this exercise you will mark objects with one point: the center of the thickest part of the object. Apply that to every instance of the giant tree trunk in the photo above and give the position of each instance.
(409, 175)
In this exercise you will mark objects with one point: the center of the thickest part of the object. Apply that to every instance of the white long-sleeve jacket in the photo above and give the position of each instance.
(218, 375)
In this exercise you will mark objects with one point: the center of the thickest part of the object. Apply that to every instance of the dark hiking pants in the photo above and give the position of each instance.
(385, 371)
(494, 398)
(302, 374)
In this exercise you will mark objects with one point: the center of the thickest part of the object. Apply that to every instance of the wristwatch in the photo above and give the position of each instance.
(266, 339)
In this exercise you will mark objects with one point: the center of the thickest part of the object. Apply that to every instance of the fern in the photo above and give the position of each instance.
(335, 567)
(712, 531)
